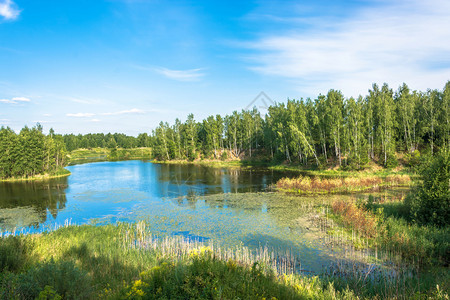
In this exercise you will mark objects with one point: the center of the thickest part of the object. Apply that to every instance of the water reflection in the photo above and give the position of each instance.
(110, 190)
(228, 206)
(24, 204)
(188, 180)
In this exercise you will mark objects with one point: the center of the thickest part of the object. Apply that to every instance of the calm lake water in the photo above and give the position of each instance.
(228, 206)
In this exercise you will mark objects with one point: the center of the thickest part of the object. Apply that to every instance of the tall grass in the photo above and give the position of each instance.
(318, 185)
(126, 261)
(385, 225)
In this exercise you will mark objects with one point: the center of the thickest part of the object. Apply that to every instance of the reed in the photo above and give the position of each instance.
(126, 261)
(318, 185)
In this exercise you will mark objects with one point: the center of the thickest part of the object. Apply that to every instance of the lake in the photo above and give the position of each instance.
(229, 206)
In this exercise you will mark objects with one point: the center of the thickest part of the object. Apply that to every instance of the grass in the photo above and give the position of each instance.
(317, 185)
(208, 163)
(80, 156)
(61, 172)
(125, 261)
(385, 225)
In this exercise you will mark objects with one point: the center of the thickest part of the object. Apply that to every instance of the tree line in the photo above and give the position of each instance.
(30, 152)
(331, 128)
(101, 140)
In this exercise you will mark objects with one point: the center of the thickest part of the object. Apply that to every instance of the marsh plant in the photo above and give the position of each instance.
(317, 185)
(127, 261)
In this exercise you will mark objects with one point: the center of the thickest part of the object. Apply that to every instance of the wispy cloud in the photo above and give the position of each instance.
(115, 113)
(124, 112)
(43, 121)
(21, 99)
(15, 100)
(398, 41)
(82, 100)
(9, 10)
(181, 75)
(81, 115)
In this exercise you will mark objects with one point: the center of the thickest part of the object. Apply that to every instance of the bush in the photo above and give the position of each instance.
(224, 155)
(207, 278)
(431, 202)
(51, 278)
(12, 254)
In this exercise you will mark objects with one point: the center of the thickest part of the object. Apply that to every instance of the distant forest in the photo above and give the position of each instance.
(329, 129)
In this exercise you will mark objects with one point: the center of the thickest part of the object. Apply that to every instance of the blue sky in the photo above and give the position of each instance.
(125, 65)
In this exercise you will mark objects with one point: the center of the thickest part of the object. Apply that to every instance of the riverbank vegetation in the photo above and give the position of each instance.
(125, 261)
(317, 185)
(31, 153)
(414, 229)
(107, 154)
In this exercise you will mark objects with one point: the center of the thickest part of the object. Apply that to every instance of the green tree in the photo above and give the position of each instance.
(431, 202)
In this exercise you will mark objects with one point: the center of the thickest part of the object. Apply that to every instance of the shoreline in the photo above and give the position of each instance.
(38, 177)
(245, 164)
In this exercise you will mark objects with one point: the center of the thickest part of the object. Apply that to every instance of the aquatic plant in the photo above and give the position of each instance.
(318, 185)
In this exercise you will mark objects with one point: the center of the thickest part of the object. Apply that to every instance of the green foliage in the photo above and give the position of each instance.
(224, 155)
(431, 202)
(30, 152)
(412, 159)
(52, 279)
(329, 130)
(98, 262)
(13, 252)
(207, 278)
(100, 140)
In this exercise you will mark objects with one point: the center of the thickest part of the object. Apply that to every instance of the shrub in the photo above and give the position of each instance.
(204, 277)
(12, 253)
(363, 221)
(50, 278)
(431, 202)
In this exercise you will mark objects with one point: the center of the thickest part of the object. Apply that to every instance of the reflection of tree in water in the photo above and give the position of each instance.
(181, 182)
(28, 202)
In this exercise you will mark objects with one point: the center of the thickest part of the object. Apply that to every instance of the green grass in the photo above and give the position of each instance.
(207, 163)
(61, 172)
(126, 262)
(385, 225)
(310, 170)
(81, 156)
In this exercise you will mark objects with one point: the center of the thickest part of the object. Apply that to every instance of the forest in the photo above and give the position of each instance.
(383, 126)
(331, 128)
(30, 152)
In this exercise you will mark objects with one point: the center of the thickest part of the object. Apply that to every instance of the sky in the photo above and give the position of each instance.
(125, 65)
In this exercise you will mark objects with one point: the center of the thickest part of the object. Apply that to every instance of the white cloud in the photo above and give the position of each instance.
(21, 99)
(81, 115)
(47, 115)
(83, 100)
(123, 112)
(181, 75)
(15, 100)
(8, 10)
(116, 113)
(400, 41)
(43, 122)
